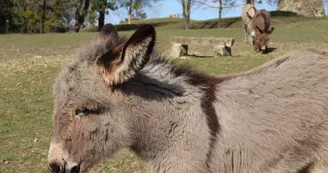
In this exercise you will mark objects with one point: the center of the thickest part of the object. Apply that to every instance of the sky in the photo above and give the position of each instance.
(166, 7)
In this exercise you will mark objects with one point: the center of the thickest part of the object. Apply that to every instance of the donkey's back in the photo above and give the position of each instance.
(248, 12)
(262, 20)
(275, 118)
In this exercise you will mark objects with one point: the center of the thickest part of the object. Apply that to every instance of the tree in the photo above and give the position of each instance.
(140, 14)
(219, 4)
(37, 15)
(43, 15)
(80, 14)
(186, 7)
(134, 5)
(5, 14)
(100, 6)
(67, 12)
(18, 16)
(91, 19)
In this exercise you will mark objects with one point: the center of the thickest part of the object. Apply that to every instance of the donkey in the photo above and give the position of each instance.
(261, 30)
(248, 12)
(119, 93)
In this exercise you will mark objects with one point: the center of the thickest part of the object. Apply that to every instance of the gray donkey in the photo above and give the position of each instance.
(117, 93)
(247, 14)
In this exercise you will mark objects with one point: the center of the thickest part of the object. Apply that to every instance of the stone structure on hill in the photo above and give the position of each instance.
(308, 8)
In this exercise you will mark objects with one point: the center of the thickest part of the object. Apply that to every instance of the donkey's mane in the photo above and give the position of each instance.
(194, 77)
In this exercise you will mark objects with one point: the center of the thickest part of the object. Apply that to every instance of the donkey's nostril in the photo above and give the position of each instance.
(54, 167)
(75, 169)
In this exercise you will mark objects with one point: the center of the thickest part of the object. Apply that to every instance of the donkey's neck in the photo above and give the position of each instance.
(171, 108)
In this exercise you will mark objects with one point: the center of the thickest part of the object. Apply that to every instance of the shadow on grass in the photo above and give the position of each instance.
(269, 50)
(202, 56)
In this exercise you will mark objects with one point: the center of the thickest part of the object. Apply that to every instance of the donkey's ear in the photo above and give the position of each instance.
(129, 58)
(270, 31)
(109, 30)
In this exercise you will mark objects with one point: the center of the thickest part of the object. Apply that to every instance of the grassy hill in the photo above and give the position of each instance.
(278, 18)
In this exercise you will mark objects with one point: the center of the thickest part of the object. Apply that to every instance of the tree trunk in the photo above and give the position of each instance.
(308, 8)
(251, 2)
(25, 30)
(130, 10)
(101, 19)
(186, 12)
(129, 18)
(80, 14)
(186, 22)
(43, 16)
(220, 14)
(7, 26)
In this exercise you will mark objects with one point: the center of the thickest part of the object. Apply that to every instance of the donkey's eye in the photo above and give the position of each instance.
(80, 111)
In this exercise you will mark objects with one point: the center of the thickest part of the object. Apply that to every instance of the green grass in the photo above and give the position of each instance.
(30, 63)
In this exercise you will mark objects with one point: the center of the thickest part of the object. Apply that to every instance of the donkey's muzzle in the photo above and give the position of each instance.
(57, 168)
(75, 169)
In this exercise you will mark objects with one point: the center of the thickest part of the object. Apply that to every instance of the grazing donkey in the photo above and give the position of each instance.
(118, 93)
(261, 29)
(248, 12)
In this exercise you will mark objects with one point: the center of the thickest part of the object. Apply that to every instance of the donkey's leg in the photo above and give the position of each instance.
(246, 33)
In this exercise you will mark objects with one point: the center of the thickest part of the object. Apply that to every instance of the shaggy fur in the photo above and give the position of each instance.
(272, 119)
(261, 29)
(247, 14)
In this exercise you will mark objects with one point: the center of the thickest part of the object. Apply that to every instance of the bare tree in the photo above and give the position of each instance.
(186, 8)
(221, 5)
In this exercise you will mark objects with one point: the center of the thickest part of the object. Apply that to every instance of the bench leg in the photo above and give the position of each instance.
(221, 50)
(178, 50)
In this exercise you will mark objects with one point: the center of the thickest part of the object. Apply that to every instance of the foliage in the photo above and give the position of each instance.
(102, 7)
(139, 14)
(134, 8)
(91, 18)
(30, 15)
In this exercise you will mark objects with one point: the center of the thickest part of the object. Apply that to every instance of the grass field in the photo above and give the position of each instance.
(29, 64)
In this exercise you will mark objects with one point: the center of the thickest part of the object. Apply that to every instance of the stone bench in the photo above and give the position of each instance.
(221, 46)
